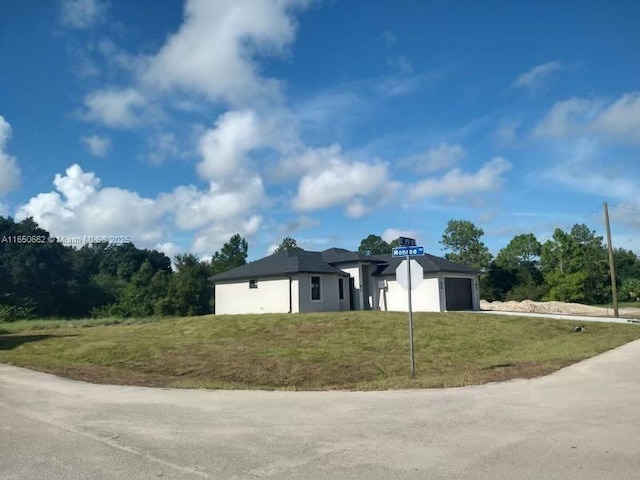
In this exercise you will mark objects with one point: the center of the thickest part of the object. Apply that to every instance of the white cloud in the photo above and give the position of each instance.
(118, 108)
(307, 160)
(456, 183)
(9, 169)
(621, 119)
(357, 208)
(193, 208)
(97, 145)
(339, 182)
(439, 158)
(224, 148)
(82, 14)
(79, 207)
(208, 240)
(537, 77)
(213, 52)
(77, 185)
(618, 121)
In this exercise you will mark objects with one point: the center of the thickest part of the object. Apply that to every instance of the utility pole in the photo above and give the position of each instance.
(612, 266)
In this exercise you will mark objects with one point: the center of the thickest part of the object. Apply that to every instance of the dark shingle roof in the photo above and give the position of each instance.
(280, 264)
(301, 261)
(429, 263)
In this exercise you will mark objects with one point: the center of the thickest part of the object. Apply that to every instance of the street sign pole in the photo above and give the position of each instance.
(413, 363)
(408, 248)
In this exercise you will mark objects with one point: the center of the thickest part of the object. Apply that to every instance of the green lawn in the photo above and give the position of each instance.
(350, 350)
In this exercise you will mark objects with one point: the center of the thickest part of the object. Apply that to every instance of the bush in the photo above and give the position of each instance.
(13, 313)
(629, 290)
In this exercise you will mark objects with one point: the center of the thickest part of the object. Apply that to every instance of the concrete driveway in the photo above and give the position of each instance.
(580, 423)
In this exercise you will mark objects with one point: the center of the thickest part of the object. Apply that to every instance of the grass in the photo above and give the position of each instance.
(348, 350)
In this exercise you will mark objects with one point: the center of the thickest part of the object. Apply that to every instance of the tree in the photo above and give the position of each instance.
(232, 254)
(462, 238)
(190, 292)
(143, 293)
(627, 264)
(574, 266)
(374, 245)
(288, 244)
(522, 250)
(515, 273)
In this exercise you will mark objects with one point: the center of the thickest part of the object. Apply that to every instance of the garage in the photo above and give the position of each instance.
(458, 293)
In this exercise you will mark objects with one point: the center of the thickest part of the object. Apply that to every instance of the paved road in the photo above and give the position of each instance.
(580, 423)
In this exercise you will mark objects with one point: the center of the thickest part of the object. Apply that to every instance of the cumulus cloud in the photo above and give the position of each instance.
(339, 182)
(9, 169)
(82, 14)
(193, 208)
(213, 52)
(618, 121)
(456, 183)
(97, 145)
(80, 207)
(537, 77)
(224, 148)
(210, 239)
(118, 108)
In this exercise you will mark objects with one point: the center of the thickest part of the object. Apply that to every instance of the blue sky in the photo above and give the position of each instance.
(181, 123)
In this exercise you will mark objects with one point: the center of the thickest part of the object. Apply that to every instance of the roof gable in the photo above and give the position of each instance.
(301, 261)
(280, 264)
(428, 262)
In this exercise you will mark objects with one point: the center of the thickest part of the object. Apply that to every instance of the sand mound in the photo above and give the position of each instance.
(530, 306)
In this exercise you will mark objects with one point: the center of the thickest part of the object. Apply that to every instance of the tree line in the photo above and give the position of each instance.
(571, 266)
(40, 277)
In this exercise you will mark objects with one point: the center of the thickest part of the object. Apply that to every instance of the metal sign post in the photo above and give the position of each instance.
(408, 250)
(413, 362)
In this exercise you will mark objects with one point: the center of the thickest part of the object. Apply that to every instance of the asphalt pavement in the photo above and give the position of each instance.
(582, 422)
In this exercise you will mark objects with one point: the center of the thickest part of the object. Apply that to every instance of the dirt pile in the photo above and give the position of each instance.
(530, 306)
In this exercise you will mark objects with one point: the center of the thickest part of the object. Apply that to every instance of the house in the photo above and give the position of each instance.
(338, 280)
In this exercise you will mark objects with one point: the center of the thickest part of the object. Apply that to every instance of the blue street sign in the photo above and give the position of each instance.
(407, 242)
(408, 251)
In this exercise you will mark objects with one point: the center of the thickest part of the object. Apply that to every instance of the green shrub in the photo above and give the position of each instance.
(14, 313)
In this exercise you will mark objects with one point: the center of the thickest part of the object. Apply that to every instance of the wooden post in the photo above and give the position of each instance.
(612, 266)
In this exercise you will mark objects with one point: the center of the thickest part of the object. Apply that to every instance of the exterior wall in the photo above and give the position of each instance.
(271, 296)
(329, 299)
(353, 269)
(365, 286)
(426, 298)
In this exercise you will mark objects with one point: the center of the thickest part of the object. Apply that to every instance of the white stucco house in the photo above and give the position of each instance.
(338, 280)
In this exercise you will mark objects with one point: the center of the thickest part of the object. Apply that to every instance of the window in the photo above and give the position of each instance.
(253, 283)
(341, 288)
(315, 288)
